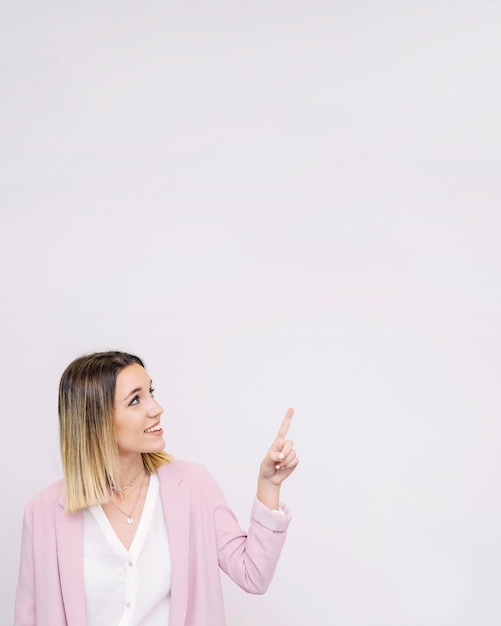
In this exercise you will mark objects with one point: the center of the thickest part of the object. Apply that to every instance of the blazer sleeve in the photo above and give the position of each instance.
(249, 558)
(24, 611)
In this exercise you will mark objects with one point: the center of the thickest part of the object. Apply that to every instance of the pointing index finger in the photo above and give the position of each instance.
(284, 426)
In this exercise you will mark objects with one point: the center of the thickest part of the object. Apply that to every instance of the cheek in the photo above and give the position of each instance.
(121, 432)
(127, 431)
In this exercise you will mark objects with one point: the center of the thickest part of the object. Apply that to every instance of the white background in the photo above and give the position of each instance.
(274, 204)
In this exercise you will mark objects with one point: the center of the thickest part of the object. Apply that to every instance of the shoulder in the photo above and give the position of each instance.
(188, 475)
(178, 477)
(50, 498)
(183, 470)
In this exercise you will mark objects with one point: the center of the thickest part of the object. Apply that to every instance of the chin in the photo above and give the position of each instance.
(158, 447)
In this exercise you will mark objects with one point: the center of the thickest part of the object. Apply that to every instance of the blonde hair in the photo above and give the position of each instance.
(88, 443)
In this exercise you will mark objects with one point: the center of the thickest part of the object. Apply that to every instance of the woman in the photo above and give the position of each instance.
(131, 536)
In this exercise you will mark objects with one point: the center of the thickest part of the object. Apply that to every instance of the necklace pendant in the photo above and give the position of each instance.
(130, 520)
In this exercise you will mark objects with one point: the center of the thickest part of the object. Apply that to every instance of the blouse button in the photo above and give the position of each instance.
(130, 563)
(128, 605)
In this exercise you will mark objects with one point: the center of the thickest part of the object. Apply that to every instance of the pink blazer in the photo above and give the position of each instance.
(204, 536)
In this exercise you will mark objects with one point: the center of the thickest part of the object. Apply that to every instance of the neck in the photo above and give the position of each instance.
(130, 468)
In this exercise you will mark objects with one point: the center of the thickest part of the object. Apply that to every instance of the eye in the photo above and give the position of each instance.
(152, 393)
(134, 401)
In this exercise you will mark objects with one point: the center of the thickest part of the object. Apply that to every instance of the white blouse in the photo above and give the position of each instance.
(127, 587)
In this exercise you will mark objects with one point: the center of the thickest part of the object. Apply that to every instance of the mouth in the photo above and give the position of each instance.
(154, 429)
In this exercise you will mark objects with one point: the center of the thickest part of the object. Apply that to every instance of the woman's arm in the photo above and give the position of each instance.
(250, 559)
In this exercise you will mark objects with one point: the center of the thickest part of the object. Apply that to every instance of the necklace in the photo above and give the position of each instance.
(128, 484)
(130, 519)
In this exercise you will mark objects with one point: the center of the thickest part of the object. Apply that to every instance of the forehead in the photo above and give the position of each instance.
(131, 378)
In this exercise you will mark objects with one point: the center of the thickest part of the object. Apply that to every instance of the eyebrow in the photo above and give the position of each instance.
(131, 393)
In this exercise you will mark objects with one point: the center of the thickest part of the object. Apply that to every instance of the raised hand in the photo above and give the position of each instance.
(280, 460)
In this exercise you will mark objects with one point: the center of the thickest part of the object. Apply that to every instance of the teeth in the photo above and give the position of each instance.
(152, 429)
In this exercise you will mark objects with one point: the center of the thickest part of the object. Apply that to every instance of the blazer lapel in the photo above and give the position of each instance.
(176, 507)
(69, 533)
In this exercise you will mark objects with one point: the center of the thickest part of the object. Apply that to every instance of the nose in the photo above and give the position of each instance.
(154, 409)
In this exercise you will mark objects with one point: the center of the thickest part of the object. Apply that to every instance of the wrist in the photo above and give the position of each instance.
(268, 494)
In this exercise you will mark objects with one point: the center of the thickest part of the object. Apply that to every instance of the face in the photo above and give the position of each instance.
(136, 413)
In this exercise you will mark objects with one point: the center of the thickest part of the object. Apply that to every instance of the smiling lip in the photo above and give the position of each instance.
(158, 430)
